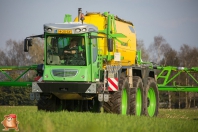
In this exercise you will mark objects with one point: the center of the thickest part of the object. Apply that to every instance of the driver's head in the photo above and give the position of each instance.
(73, 43)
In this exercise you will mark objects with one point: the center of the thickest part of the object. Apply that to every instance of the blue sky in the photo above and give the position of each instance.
(175, 20)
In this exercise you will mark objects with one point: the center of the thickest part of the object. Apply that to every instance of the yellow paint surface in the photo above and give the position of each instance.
(128, 52)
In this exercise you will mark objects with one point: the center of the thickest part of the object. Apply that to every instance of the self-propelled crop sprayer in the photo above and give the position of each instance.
(92, 64)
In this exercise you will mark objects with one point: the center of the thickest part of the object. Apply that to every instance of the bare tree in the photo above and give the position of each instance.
(14, 55)
(141, 46)
(157, 49)
(170, 57)
(36, 52)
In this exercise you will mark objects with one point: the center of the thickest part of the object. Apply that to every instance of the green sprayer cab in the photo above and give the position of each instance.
(69, 67)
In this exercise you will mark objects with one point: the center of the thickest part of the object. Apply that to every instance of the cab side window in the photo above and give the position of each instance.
(95, 49)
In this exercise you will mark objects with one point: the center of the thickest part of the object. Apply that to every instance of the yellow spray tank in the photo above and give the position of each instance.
(122, 32)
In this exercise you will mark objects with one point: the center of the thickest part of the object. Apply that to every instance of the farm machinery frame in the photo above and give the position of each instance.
(101, 71)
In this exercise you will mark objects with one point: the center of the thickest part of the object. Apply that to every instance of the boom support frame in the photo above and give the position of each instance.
(167, 76)
(10, 81)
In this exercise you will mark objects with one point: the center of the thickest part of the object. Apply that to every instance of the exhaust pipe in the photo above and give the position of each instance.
(79, 14)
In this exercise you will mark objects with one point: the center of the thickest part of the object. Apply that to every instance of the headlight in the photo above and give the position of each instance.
(84, 29)
(49, 29)
(77, 30)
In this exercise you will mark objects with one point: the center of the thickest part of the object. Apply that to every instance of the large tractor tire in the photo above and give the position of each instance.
(137, 97)
(49, 102)
(152, 98)
(119, 101)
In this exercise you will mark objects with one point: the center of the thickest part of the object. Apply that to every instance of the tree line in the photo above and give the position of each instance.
(13, 55)
(159, 52)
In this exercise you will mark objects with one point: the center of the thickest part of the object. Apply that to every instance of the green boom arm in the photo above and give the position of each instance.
(10, 81)
(169, 73)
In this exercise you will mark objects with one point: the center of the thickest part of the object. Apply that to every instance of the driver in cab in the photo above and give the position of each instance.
(71, 48)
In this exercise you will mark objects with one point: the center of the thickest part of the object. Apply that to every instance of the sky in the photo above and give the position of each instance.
(175, 20)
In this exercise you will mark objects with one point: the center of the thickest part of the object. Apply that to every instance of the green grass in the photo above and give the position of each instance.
(188, 114)
(32, 120)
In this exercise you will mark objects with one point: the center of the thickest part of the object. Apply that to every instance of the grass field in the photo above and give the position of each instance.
(32, 120)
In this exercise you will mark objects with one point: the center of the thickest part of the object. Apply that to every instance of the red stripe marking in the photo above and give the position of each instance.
(109, 88)
(110, 81)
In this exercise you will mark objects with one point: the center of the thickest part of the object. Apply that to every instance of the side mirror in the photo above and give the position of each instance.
(110, 45)
(27, 43)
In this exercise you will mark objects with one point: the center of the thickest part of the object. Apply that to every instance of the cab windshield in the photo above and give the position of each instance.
(64, 50)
